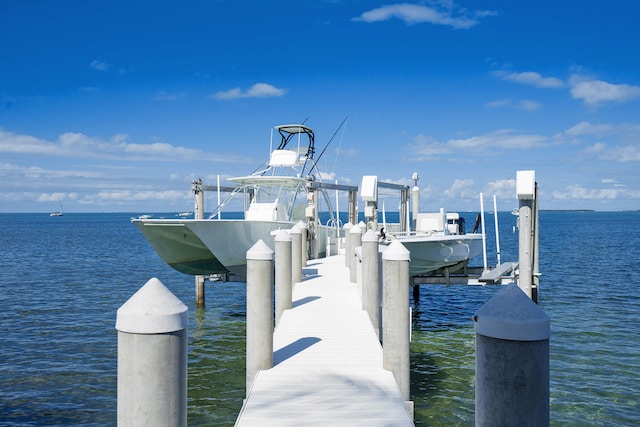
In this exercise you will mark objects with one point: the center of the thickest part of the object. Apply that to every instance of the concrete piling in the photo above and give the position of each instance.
(395, 314)
(283, 273)
(512, 361)
(371, 279)
(355, 240)
(304, 242)
(296, 254)
(260, 316)
(347, 246)
(152, 358)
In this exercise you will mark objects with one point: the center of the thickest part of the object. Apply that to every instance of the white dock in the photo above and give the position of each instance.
(327, 361)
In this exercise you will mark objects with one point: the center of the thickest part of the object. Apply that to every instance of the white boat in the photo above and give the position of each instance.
(282, 192)
(57, 213)
(438, 241)
(435, 241)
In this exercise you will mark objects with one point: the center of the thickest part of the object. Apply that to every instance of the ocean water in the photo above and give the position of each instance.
(62, 280)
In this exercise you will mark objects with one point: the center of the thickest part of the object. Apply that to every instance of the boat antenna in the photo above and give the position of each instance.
(330, 139)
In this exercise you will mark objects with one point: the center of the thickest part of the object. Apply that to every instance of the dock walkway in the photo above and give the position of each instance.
(327, 361)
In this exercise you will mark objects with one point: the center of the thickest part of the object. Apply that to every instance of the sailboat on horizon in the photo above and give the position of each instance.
(58, 213)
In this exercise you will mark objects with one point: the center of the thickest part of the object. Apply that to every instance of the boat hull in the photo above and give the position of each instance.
(229, 240)
(179, 247)
(432, 252)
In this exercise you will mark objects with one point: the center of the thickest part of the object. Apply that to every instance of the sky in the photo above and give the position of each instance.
(116, 106)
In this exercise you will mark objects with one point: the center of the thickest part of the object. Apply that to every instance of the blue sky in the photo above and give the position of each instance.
(118, 105)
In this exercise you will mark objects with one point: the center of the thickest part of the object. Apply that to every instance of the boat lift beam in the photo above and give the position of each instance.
(404, 203)
(312, 208)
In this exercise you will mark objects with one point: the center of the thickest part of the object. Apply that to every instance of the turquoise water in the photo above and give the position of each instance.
(62, 280)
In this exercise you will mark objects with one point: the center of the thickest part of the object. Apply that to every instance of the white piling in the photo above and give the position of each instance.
(283, 273)
(347, 247)
(296, 254)
(199, 214)
(395, 314)
(304, 242)
(259, 310)
(355, 240)
(152, 358)
(371, 279)
(512, 361)
(525, 190)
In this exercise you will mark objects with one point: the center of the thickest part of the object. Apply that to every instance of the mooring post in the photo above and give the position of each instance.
(283, 273)
(371, 279)
(259, 310)
(347, 247)
(512, 361)
(395, 314)
(296, 254)
(355, 240)
(152, 358)
(304, 238)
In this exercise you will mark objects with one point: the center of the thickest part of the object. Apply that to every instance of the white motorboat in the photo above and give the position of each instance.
(281, 193)
(435, 240)
(439, 240)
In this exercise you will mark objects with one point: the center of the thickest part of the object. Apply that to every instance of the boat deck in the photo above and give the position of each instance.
(327, 361)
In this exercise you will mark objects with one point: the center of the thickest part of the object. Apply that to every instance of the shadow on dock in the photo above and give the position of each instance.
(305, 300)
(294, 348)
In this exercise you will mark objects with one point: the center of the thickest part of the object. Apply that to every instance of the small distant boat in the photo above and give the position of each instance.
(146, 216)
(57, 213)
(185, 214)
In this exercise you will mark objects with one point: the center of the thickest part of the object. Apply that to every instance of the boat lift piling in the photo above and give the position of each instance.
(526, 190)
(198, 190)
(198, 213)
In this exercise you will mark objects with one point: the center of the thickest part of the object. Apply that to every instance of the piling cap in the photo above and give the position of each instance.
(282, 236)
(347, 226)
(511, 315)
(396, 251)
(356, 229)
(370, 236)
(301, 225)
(152, 310)
(260, 251)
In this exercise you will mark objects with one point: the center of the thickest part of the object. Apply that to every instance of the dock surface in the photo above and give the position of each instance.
(327, 361)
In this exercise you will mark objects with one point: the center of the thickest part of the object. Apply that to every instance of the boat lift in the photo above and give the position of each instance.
(460, 273)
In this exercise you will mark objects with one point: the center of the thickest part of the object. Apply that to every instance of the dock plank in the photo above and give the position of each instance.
(327, 362)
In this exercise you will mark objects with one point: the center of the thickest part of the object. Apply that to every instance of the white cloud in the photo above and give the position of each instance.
(165, 96)
(504, 188)
(99, 65)
(578, 192)
(258, 90)
(528, 105)
(523, 104)
(499, 103)
(618, 153)
(595, 92)
(73, 145)
(462, 189)
(504, 138)
(585, 128)
(530, 78)
(447, 14)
